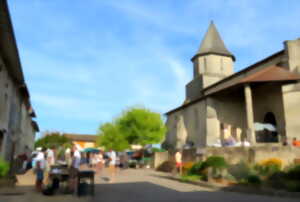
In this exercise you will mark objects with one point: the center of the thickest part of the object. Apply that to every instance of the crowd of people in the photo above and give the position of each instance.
(42, 160)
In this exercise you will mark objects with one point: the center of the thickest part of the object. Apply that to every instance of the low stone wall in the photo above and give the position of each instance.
(160, 157)
(253, 154)
(234, 155)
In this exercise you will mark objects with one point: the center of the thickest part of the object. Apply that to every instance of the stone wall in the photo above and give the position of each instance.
(255, 154)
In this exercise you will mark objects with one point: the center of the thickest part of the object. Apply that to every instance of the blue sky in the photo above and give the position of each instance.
(86, 61)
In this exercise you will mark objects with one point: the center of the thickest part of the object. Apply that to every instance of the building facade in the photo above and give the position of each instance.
(17, 127)
(220, 103)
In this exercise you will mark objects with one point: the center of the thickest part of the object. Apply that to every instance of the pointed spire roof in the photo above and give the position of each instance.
(213, 43)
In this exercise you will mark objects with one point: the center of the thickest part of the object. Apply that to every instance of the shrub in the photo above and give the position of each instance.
(294, 173)
(4, 168)
(197, 168)
(241, 170)
(216, 162)
(187, 165)
(272, 161)
(269, 166)
(253, 180)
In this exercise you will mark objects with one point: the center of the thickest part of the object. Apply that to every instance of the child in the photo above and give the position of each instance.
(39, 176)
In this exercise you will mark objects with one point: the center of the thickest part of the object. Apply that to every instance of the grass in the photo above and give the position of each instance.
(189, 178)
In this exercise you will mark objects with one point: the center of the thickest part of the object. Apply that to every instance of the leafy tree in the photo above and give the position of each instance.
(111, 137)
(141, 126)
(53, 139)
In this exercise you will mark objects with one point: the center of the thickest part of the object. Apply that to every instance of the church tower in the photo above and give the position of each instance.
(212, 63)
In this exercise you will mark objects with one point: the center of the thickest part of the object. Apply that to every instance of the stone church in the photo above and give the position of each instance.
(220, 103)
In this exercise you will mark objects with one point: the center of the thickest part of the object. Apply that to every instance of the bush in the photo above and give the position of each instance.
(197, 168)
(187, 166)
(216, 162)
(294, 173)
(269, 166)
(4, 168)
(240, 171)
(253, 180)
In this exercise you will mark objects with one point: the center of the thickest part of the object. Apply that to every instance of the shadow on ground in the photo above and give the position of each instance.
(149, 192)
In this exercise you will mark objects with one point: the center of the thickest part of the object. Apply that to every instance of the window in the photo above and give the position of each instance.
(1, 139)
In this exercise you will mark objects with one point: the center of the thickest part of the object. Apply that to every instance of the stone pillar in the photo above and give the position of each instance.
(249, 114)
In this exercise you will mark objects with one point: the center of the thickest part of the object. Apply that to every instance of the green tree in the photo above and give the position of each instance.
(141, 126)
(110, 137)
(53, 139)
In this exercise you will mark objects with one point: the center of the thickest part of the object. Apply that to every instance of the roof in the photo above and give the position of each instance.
(269, 74)
(78, 137)
(213, 44)
(272, 73)
(8, 45)
(247, 69)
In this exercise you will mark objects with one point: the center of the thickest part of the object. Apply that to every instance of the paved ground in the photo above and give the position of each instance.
(134, 186)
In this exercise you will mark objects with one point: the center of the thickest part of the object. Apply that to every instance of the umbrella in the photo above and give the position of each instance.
(264, 126)
(90, 149)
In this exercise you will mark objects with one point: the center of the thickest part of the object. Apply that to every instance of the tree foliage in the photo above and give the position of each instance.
(142, 126)
(135, 126)
(111, 138)
(53, 139)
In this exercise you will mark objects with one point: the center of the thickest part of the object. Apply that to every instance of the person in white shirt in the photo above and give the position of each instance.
(74, 169)
(112, 164)
(178, 159)
(50, 158)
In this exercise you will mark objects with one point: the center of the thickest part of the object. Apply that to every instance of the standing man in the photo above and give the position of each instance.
(74, 169)
(112, 164)
(50, 157)
(178, 159)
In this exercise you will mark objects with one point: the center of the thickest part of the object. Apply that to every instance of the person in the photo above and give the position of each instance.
(100, 161)
(74, 169)
(50, 157)
(296, 143)
(178, 160)
(39, 169)
(68, 157)
(112, 164)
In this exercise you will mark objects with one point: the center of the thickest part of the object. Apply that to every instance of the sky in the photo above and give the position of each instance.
(87, 61)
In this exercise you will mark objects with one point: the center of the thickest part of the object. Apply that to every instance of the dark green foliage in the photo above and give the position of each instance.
(197, 168)
(267, 170)
(216, 162)
(294, 173)
(4, 168)
(277, 180)
(254, 180)
(51, 139)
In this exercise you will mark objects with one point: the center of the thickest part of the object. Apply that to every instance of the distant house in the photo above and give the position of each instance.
(85, 141)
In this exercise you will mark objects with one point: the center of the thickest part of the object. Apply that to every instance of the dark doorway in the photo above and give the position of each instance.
(270, 135)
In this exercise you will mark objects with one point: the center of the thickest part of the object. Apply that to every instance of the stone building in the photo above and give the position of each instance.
(17, 129)
(220, 103)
